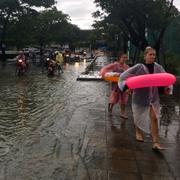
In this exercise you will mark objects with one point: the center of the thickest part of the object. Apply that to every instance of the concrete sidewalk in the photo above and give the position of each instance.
(128, 159)
(114, 153)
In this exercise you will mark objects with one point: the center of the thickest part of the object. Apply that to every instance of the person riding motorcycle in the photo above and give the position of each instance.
(50, 66)
(59, 61)
(21, 64)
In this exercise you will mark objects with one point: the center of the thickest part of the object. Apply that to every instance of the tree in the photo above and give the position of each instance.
(143, 22)
(46, 23)
(21, 32)
(10, 10)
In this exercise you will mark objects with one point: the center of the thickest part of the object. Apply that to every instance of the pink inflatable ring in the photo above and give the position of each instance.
(150, 80)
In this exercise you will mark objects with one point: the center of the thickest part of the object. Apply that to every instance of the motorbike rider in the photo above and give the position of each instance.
(21, 60)
(50, 64)
(84, 53)
(59, 61)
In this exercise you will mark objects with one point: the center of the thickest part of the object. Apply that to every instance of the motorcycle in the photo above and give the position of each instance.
(67, 58)
(77, 58)
(20, 67)
(50, 67)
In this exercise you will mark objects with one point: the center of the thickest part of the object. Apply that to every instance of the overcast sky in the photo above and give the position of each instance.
(80, 11)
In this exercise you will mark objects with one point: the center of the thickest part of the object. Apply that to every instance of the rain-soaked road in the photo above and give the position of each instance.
(57, 128)
(43, 121)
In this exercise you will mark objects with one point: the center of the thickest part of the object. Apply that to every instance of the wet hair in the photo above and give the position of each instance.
(120, 54)
(147, 49)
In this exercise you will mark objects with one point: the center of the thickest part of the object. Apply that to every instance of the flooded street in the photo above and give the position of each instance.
(38, 114)
(57, 128)
(27, 101)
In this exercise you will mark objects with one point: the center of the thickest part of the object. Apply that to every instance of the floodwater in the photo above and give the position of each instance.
(28, 100)
(37, 115)
(44, 121)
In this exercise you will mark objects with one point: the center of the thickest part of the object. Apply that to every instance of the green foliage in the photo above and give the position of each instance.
(11, 12)
(172, 63)
(172, 37)
(45, 24)
(138, 20)
(45, 27)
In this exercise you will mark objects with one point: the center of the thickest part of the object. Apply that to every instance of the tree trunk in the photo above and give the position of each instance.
(3, 37)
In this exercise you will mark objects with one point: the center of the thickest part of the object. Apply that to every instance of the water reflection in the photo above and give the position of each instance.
(165, 115)
(84, 61)
(21, 109)
(66, 66)
(170, 121)
(177, 110)
(76, 65)
(27, 101)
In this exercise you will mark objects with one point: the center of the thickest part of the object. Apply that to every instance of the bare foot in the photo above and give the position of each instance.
(157, 147)
(139, 137)
(123, 116)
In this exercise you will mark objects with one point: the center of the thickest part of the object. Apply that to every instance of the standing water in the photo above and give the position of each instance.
(52, 127)
(37, 115)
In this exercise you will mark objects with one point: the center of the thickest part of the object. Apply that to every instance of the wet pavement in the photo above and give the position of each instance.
(57, 128)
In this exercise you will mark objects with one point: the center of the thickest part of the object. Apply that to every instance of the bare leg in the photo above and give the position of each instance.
(139, 136)
(122, 109)
(154, 130)
(110, 107)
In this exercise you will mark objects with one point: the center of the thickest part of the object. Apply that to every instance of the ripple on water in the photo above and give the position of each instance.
(27, 101)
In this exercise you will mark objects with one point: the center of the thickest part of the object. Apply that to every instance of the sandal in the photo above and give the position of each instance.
(123, 116)
(157, 147)
(139, 137)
